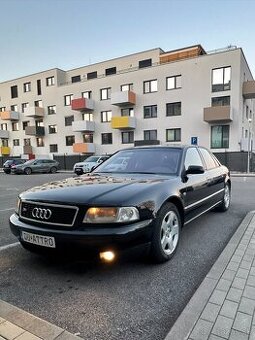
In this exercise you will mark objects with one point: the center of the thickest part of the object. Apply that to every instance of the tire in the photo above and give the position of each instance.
(166, 234)
(226, 199)
(27, 171)
(53, 170)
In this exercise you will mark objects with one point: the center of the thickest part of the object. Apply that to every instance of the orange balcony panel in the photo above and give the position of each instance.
(249, 89)
(216, 114)
(9, 115)
(82, 104)
(84, 147)
(5, 150)
(123, 98)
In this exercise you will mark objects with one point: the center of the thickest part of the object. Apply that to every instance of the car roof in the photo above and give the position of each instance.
(150, 147)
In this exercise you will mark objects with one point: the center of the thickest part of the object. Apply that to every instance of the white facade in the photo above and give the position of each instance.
(194, 92)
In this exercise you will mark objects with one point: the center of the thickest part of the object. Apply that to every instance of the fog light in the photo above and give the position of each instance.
(107, 256)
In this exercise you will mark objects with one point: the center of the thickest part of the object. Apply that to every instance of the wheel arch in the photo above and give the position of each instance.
(178, 203)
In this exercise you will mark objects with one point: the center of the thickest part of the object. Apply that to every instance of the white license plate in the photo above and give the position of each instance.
(39, 240)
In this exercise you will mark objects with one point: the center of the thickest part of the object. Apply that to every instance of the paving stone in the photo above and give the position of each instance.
(236, 258)
(215, 337)
(218, 297)
(239, 252)
(247, 306)
(243, 273)
(201, 330)
(210, 312)
(245, 264)
(234, 294)
(10, 331)
(229, 309)
(242, 322)
(228, 275)
(222, 326)
(238, 283)
(248, 257)
(236, 335)
(249, 292)
(27, 336)
(232, 266)
(252, 333)
(223, 285)
(251, 280)
(252, 270)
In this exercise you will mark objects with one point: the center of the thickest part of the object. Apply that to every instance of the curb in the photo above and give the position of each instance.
(191, 313)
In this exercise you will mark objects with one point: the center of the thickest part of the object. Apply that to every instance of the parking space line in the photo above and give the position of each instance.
(8, 246)
(8, 209)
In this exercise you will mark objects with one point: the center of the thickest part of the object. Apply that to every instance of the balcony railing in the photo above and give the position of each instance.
(9, 115)
(82, 104)
(84, 147)
(5, 150)
(124, 122)
(35, 131)
(83, 125)
(249, 89)
(218, 114)
(122, 98)
(34, 111)
(4, 134)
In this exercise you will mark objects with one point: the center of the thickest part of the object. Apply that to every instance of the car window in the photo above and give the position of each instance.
(192, 158)
(209, 161)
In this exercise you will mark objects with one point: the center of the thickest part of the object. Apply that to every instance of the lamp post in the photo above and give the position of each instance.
(249, 145)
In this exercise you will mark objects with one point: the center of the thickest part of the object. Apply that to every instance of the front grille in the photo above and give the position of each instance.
(47, 213)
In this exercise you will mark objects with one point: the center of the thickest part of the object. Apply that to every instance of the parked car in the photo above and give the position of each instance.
(159, 190)
(11, 163)
(89, 163)
(36, 165)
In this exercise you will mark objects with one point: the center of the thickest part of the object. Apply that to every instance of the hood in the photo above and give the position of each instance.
(85, 163)
(97, 189)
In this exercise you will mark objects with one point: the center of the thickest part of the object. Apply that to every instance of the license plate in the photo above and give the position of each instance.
(39, 240)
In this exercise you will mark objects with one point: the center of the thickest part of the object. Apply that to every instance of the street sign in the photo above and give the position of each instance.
(194, 140)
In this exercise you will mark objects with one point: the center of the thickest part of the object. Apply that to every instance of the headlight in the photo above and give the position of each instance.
(111, 215)
(17, 205)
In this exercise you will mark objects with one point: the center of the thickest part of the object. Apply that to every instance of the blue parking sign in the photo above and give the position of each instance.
(194, 140)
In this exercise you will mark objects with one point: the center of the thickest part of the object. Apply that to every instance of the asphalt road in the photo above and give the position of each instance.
(131, 299)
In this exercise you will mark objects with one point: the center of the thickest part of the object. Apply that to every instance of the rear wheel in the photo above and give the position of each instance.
(166, 234)
(28, 171)
(226, 199)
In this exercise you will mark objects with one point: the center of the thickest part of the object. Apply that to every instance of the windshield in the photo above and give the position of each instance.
(153, 161)
(29, 162)
(91, 159)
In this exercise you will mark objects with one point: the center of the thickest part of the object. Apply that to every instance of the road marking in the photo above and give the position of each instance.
(8, 209)
(8, 246)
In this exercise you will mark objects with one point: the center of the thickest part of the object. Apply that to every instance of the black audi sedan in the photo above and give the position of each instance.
(143, 202)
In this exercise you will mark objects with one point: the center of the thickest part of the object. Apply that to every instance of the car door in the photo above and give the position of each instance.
(195, 191)
(37, 165)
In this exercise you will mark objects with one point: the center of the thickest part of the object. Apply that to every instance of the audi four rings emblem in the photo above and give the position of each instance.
(43, 214)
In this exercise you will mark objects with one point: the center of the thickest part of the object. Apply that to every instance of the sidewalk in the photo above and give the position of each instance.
(223, 306)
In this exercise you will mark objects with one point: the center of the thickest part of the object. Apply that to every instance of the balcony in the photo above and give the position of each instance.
(4, 134)
(34, 111)
(82, 104)
(123, 98)
(84, 148)
(9, 115)
(216, 114)
(34, 131)
(5, 150)
(125, 122)
(249, 89)
(83, 125)
(27, 149)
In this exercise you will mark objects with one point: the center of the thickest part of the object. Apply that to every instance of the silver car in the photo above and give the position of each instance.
(89, 163)
(36, 165)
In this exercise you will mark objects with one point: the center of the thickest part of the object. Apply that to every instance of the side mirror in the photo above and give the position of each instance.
(93, 168)
(195, 169)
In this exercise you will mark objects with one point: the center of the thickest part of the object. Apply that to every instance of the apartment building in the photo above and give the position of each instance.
(152, 97)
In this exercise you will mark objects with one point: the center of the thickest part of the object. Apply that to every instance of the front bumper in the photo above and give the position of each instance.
(117, 238)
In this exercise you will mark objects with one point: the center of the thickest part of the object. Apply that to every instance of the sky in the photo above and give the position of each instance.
(36, 35)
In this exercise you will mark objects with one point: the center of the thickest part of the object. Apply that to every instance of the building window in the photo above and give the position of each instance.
(127, 112)
(220, 137)
(105, 93)
(106, 116)
(53, 129)
(27, 142)
(14, 91)
(145, 63)
(106, 138)
(39, 123)
(221, 101)
(110, 71)
(53, 147)
(69, 120)
(68, 99)
(24, 106)
(15, 126)
(14, 108)
(50, 81)
(87, 94)
(70, 140)
(4, 126)
(38, 103)
(92, 75)
(173, 135)
(173, 82)
(127, 137)
(76, 79)
(39, 87)
(126, 87)
(88, 116)
(173, 109)
(52, 110)
(25, 124)
(150, 134)
(150, 86)
(16, 142)
(87, 138)
(27, 87)
(39, 142)
(5, 142)
(221, 79)
(2, 109)
(150, 111)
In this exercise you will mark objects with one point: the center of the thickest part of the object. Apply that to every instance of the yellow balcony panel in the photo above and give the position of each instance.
(27, 149)
(83, 125)
(4, 134)
(5, 150)
(34, 111)
(9, 115)
(123, 98)
(125, 122)
(249, 89)
(84, 147)
(216, 114)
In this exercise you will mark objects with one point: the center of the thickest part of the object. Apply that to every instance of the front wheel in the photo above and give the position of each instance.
(28, 171)
(225, 203)
(166, 234)
(53, 170)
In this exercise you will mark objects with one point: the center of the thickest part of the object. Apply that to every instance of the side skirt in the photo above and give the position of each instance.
(203, 212)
